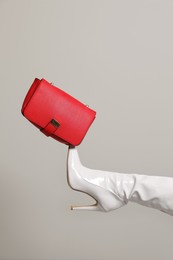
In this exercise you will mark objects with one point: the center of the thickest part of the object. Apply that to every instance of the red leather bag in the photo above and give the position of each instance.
(56, 113)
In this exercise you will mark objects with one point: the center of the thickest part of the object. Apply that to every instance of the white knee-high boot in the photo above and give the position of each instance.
(112, 190)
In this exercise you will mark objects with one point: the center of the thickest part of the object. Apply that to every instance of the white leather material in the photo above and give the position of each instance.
(97, 184)
(153, 191)
(112, 190)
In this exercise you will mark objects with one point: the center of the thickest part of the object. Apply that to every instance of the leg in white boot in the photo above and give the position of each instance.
(113, 190)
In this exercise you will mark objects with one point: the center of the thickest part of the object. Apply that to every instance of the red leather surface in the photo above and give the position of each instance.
(45, 102)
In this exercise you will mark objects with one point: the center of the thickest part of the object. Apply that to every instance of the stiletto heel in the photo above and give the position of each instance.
(94, 207)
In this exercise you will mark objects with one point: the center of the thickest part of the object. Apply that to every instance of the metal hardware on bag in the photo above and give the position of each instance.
(87, 105)
(55, 123)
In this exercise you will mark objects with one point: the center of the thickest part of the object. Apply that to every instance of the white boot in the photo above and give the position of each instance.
(113, 190)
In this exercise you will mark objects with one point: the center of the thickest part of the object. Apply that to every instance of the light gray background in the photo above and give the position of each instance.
(116, 56)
